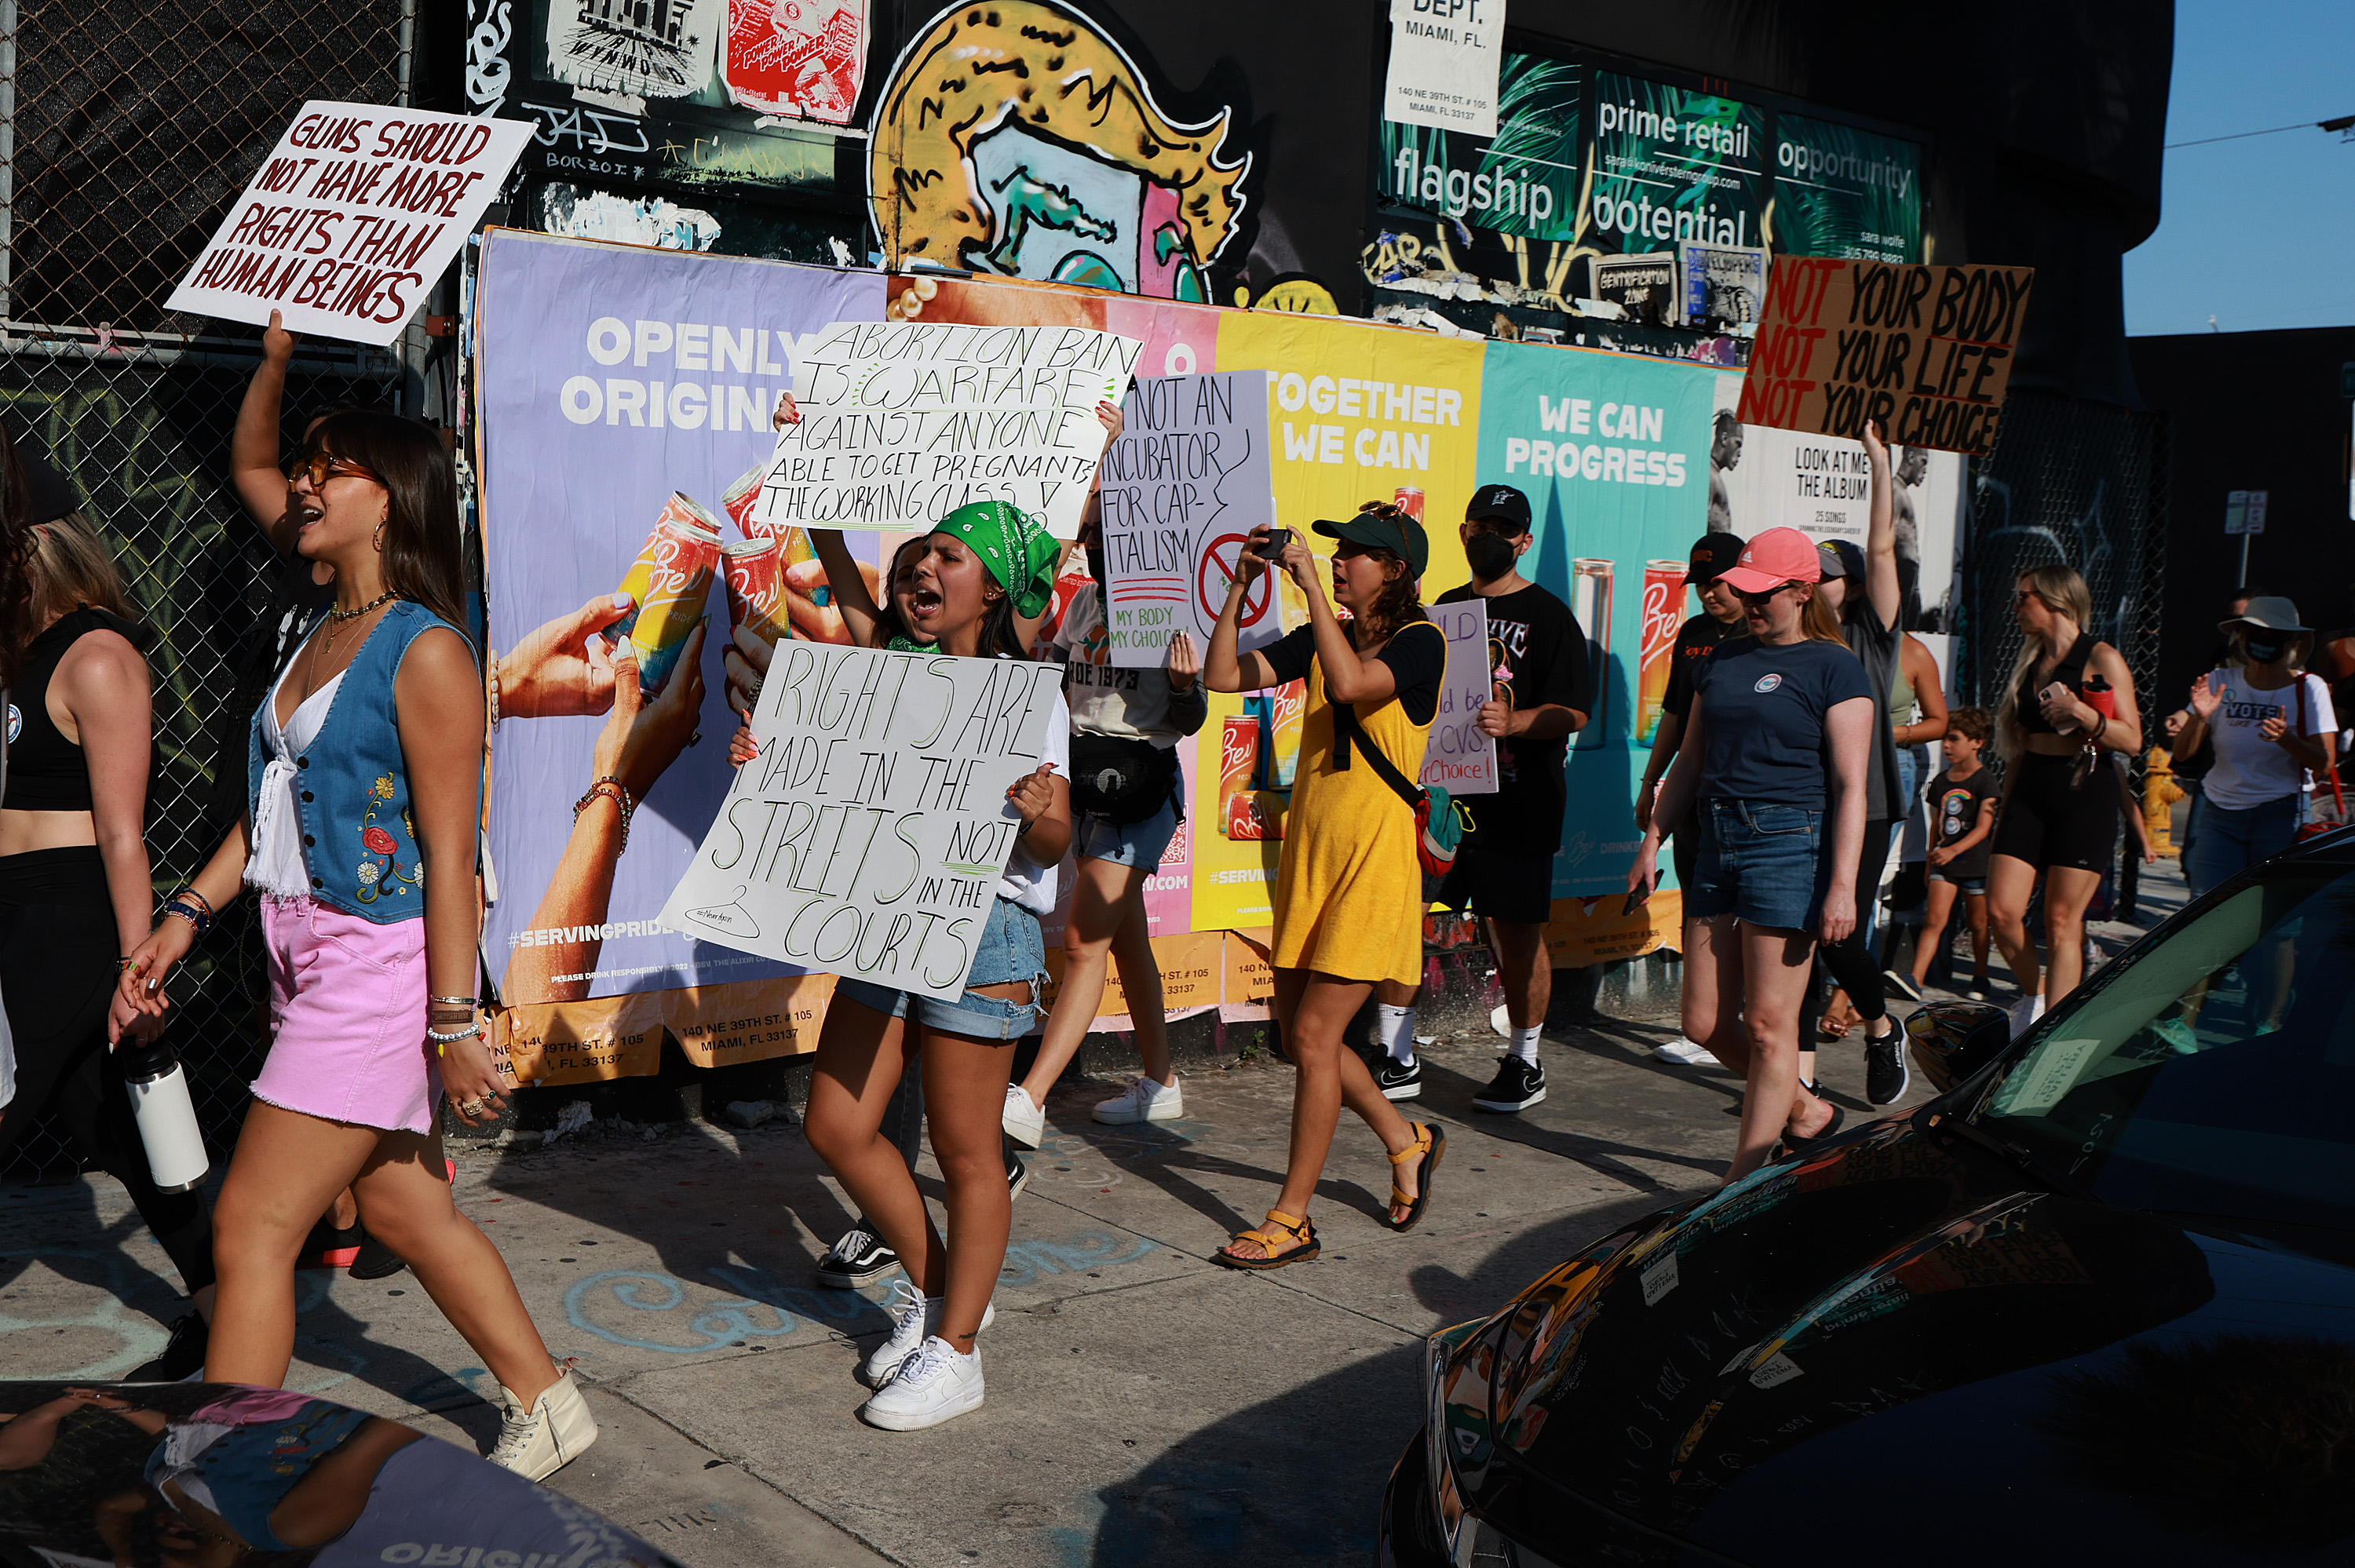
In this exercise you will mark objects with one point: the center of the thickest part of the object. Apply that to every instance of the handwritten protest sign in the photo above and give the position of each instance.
(1458, 757)
(868, 837)
(351, 218)
(904, 422)
(1927, 350)
(1183, 487)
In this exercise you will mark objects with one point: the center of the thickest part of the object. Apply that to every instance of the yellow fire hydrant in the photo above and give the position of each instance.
(2159, 794)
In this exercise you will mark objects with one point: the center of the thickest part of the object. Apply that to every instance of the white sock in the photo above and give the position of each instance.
(1524, 1044)
(1396, 1030)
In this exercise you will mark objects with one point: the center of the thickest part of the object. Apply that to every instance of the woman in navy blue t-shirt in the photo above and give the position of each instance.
(1772, 772)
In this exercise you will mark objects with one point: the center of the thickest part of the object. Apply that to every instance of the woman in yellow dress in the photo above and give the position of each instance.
(1349, 889)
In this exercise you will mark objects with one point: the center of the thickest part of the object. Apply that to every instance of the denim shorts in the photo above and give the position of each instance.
(1010, 949)
(1132, 843)
(1764, 864)
(1971, 884)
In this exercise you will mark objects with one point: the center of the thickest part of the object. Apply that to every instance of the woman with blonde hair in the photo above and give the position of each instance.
(2068, 699)
(75, 887)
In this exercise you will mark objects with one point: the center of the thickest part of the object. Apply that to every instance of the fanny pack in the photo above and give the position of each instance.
(1441, 820)
(1122, 779)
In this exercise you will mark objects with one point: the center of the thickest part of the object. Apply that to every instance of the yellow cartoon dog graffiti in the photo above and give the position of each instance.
(1013, 138)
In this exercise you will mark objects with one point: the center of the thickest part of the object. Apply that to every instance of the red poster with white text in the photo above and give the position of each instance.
(798, 58)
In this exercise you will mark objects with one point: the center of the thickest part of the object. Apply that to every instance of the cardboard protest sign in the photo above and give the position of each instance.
(1927, 350)
(904, 422)
(351, 218)
(867, 838)
(1183, 487)
(1459, 757)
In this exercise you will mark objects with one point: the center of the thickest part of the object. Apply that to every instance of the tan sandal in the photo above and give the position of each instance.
(1270, 1237)
(1430, 1143)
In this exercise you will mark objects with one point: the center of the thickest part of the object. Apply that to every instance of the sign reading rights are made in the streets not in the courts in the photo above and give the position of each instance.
(903, 422)
(351, 218)
(1183, 487)
(867, 838)
(1926, 351)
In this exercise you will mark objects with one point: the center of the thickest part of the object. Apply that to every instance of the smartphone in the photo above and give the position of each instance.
(1638, 897)
(1278, 541)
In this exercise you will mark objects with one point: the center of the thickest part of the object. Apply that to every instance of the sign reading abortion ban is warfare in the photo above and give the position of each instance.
(1926, 351)
(351, 218)
(904, 422)
(867, 836)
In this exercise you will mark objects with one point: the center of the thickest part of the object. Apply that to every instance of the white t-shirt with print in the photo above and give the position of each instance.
(1026, 881)
(2249, 769)
(1131, 703)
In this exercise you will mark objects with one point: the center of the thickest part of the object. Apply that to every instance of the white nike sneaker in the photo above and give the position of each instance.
(1143, 1101)
(2025, 1012)
(1025, 1119)
(1684, 1054)
(915, 1316)
(933, 1385)
(540, 1441)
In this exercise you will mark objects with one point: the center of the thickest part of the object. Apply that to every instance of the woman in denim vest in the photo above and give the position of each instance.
(364, 776)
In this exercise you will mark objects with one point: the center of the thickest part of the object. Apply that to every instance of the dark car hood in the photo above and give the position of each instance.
(1907, 1326)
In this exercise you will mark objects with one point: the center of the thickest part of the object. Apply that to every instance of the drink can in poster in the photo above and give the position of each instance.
(737, 499)
(1408, 500)
(1664, 609)
(1590, 601)
(1289, 705)
(667, 585)
(753, 572)
(1237, 759)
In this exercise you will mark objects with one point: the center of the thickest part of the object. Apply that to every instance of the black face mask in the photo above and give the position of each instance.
(2264, 653)
(1096, 565)
(1490, 556)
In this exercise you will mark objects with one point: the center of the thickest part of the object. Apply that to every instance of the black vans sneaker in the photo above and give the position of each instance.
(375, 1260)
(183, 1357)
(1885, 1072)
(1398, 1080)
(1518, 1086)
(857, 1260)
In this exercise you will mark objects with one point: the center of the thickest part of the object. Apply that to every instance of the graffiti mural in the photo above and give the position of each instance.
(1018, 140)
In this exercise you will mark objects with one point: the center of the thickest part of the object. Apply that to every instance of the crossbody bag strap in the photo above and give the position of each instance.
(1344, 725)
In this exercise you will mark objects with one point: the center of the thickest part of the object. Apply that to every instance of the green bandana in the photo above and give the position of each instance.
(909, 645)
(1014, 546)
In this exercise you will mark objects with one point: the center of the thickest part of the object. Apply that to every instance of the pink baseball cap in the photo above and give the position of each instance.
(1777, 557)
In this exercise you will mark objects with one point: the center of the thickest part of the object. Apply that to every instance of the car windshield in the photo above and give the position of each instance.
(2213, 1074)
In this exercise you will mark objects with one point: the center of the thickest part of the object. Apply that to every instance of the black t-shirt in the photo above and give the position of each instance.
(1696, 640)
(1877, 647)
(1418, 661)
(1763, 708)
(295, 601)
(1537, 645)
(1955, 812)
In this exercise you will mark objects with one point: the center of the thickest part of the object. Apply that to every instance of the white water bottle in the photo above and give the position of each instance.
(167, 1120)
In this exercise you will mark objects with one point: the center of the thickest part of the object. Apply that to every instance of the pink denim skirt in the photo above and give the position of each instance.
(347, 1018)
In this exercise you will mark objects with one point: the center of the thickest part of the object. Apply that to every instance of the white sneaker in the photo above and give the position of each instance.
(933, 1385)
(557, 1429)
(1143, 1101)
(914, 1318)
(1684, 1054)
(1025, 1119)
(1500, 1020)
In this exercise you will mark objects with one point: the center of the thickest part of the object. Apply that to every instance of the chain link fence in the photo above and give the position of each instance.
(125, 132)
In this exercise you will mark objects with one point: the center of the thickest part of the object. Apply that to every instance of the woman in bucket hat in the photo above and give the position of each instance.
(2271, 723)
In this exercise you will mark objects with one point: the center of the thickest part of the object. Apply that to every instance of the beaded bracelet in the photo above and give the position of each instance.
(495, 688)
(472, 1031)
(613, 790)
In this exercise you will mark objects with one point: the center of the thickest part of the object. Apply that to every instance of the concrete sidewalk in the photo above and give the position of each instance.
(1144, 1405)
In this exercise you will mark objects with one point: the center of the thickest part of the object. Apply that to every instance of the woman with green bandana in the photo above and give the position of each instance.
(983, 567)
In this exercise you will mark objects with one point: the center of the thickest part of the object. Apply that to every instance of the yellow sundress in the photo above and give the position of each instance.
(1348, 888)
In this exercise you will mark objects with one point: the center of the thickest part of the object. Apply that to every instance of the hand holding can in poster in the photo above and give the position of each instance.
(668, 584)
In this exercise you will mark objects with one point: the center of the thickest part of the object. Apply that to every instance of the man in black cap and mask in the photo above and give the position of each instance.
(1504, 870)
(1721, 618)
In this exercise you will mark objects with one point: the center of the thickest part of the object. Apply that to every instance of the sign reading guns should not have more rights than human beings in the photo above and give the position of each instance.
(1926, 351)
(351, 218)
(904, 422)
(867, 836)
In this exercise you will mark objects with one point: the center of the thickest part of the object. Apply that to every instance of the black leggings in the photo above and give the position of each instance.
(1851, 962)
(57, 947)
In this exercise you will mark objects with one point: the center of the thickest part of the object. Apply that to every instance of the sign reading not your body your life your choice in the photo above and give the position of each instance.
(867, 836)
(351, 218)
(1183, 487)
(904, 422)
(1927, 350)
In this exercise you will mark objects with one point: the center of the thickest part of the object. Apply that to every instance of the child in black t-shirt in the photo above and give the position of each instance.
(1962, 816)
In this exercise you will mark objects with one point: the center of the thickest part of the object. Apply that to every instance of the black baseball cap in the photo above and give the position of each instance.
(1712, 554)
(1501, 501)
(1841, 560)
(1389, 529)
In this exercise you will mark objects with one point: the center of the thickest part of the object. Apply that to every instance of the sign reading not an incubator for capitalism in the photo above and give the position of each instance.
(1445, 57)
(1926, 351)
(867, 838)
(1183, 487)
(351, 219)
(904, 422)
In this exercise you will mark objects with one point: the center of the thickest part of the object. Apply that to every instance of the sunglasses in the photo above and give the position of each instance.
(1762, 595)
(323, 466)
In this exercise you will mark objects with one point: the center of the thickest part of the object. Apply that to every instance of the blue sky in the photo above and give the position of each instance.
(2259, 233)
